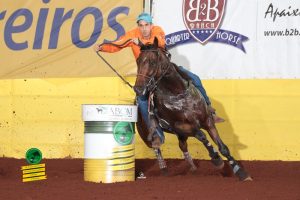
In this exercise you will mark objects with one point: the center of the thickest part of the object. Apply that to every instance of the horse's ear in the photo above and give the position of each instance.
(142, 46)
(155, 42)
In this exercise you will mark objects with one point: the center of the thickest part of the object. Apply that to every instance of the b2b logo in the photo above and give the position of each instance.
(202, 18)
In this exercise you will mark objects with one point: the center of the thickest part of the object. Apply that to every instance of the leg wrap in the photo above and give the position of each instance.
(161, 161)
(224, 151)
(234, 165)
(189, 159)
(213, 153)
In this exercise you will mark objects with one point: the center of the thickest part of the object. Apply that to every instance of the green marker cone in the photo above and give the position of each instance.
(33, 156)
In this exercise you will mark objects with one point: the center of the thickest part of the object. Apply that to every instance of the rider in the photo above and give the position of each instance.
(145, 33)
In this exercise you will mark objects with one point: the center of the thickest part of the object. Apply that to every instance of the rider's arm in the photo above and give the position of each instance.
(123, 42)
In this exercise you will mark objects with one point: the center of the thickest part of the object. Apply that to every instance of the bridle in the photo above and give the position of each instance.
(152, 83)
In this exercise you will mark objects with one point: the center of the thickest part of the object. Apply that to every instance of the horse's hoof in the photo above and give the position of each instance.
(221, 166)
(249, 178)
(218, 162)
(243, 175)
(193, 169)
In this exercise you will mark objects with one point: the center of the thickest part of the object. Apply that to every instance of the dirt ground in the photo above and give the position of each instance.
(272, 180)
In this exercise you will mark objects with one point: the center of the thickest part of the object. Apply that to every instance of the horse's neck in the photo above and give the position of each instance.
(173, 82)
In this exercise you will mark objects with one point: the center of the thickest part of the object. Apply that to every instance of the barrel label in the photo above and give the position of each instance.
(126, 113)
(123, 133)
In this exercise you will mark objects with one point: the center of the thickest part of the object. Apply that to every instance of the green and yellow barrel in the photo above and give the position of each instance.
(109, 153)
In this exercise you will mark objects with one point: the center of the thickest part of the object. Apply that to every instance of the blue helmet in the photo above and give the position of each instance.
(145, 17)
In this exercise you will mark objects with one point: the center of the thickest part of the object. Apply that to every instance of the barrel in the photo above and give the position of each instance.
(109, 153)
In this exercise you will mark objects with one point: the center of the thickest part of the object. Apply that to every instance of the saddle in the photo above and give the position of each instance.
(155, 120)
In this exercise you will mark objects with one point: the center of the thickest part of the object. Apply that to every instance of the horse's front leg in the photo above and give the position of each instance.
(161, 162)
(187, 156)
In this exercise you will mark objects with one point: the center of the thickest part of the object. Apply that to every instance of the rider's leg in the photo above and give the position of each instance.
(198, 84)
(143, 106)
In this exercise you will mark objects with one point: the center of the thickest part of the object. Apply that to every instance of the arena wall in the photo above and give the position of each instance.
(262, 117)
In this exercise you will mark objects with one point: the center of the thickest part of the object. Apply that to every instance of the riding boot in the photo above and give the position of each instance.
(156, 142)
(154, 128)
(216, 118)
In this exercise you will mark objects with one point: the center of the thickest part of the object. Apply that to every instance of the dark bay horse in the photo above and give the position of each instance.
(178, 107)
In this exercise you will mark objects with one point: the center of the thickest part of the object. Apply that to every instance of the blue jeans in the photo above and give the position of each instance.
(197, 83)
(143, 101)
(143, 106)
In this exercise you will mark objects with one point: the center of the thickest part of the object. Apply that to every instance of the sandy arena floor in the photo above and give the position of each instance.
(272, 180)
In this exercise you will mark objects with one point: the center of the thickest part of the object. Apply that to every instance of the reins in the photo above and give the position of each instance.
(154, 85)
(111, 67)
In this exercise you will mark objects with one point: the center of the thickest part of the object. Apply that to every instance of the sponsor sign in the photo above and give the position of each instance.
(220, 39)
(202, 20)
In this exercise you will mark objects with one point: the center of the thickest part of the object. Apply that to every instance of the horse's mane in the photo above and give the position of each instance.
(147, 47)
(152, 47)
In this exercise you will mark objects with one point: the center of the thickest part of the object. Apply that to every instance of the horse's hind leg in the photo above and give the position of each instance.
(236, 168)
(161, 162)
(215, 157)
(183, 146)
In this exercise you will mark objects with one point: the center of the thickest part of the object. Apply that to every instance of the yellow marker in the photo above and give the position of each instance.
(34, 178)
(33, 166)
(34, 172)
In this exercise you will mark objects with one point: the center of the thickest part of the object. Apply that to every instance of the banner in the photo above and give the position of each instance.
(233, 39)
(54, 38)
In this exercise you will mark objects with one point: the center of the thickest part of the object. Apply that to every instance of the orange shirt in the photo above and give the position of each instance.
(156, 31)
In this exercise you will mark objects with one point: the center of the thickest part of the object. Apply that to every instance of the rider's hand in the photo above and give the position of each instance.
(97, 47)
(135, 41)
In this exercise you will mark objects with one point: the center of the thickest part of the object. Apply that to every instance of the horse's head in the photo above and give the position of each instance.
(152, 64)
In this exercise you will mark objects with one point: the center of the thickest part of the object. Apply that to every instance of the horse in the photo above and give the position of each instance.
(178, 107)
